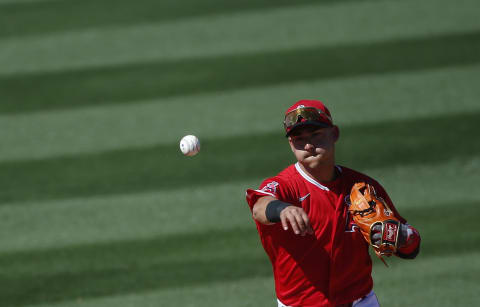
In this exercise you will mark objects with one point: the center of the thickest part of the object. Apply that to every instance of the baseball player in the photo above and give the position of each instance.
(319, 257)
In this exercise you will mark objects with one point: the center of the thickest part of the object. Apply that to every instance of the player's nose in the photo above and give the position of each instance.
(309, 146)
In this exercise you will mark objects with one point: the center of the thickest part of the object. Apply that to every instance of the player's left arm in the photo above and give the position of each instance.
(408, 242)
(408, 245)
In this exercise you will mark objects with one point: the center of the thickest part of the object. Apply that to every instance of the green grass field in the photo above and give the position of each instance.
(99, 208)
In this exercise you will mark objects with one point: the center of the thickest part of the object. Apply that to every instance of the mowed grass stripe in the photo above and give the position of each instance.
(441, 281)
(282, 28)
(251, 292)
(135, 266)
(190, 259)
(148, 123)
(187, 209)
(60, 15)
(221, 160)
(3, 2)
(124, 84)
(86, 220)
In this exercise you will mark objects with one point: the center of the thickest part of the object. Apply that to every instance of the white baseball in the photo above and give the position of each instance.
(190, 145)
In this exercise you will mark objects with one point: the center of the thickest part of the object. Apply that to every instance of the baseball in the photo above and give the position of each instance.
(190, 145)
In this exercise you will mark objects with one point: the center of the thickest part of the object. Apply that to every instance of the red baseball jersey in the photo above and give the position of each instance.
(330, 267)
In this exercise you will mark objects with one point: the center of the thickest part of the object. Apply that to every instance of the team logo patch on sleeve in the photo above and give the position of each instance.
(271, 187)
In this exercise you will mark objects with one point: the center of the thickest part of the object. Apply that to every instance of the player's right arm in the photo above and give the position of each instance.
(268, 210)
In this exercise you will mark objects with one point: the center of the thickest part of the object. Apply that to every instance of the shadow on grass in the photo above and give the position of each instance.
(447, 229)
(38, 17)
(134, 82)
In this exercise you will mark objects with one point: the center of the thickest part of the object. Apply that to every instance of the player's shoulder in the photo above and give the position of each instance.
(288, 175)
(281, 186)
(352, 175)
(285, 177)
(288, 172)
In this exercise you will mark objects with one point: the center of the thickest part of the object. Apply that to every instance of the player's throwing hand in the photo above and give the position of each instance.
(298, 220)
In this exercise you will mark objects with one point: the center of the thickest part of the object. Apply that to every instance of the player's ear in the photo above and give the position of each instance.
(336, 133)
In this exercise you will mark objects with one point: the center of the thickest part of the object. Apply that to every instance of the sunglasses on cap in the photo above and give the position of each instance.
(308, 114)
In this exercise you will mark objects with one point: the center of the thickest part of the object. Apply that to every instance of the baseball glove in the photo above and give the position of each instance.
(375, 219)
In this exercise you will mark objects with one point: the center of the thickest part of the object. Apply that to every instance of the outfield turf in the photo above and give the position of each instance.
(99, 208)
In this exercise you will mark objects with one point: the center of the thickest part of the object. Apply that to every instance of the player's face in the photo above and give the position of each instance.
(313, 146)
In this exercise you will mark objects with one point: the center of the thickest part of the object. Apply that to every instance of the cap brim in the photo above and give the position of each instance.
(307, 123)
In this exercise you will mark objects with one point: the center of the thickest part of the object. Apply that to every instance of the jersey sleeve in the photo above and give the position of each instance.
(274, 186)
(412, 245)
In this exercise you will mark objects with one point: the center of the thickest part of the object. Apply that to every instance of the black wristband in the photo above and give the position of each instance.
(272, 212)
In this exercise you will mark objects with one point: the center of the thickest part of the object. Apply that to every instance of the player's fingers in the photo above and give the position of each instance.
(302, 221)
(284, 221)
(376, 234)
(298, 220)
(308, 226)
(293, 222)
(377, 228)
(376, 238)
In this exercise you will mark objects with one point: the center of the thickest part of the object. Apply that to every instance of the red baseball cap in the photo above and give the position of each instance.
(307, 112)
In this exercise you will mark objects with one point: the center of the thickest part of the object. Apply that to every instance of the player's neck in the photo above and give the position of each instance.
(322, 173)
